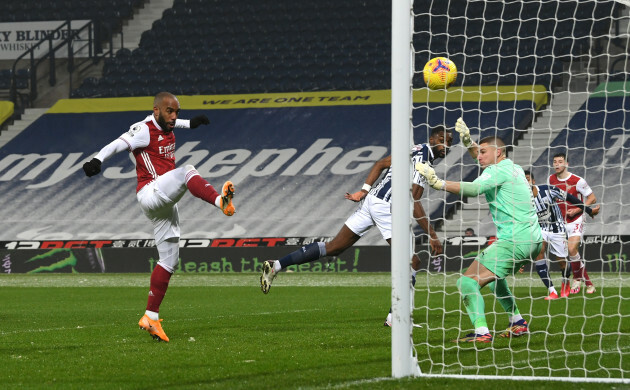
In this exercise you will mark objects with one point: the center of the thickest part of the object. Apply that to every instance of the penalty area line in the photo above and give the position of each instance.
(358, 382)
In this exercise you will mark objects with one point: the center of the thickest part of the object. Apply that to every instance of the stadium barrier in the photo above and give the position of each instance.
(233, 255)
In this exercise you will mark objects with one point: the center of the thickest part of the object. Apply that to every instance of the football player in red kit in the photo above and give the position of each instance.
(573, 216)
(160, 186)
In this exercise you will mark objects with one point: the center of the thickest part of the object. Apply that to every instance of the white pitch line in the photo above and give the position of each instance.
(344, 385)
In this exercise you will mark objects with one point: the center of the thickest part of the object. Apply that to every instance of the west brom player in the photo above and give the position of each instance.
(160, 187)
(576, 186)
(553, 231)
(374, 210)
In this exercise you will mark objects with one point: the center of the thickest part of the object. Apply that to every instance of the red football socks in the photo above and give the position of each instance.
(579, 272)
(200, 188)
(159, 283)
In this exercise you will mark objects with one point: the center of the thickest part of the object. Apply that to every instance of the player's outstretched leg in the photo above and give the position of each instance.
(268, 275)
(200, 188)
(227, 193)
(305, 254)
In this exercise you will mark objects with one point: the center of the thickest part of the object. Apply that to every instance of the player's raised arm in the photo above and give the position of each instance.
(93, 167)
(192, 123)
(464, 136)
(375, 172)
(136, 137)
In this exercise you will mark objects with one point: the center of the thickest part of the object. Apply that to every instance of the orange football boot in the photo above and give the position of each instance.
(153, 327)
(227, 193)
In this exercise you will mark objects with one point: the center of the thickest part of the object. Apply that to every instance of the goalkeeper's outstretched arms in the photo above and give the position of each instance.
(454, 187)
(375, 172)
(93, 167)
(464, 136)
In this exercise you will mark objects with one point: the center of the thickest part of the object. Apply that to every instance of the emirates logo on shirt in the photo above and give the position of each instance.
(167, 150)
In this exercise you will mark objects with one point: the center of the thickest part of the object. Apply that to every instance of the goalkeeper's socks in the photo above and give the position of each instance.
(200, 188)
(543, 272)
(305, 254)
(482, 330)
(587, 279)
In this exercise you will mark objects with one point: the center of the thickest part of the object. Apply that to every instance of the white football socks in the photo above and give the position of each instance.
(152, 315)
(482, 330)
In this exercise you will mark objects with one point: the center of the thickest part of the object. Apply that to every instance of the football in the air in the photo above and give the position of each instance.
(440, 73)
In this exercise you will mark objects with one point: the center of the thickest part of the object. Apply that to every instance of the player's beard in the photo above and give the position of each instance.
(163, 124)
(440, 153)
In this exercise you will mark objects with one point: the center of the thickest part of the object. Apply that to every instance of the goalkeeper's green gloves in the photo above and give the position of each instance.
(429, 173)
(464, 133)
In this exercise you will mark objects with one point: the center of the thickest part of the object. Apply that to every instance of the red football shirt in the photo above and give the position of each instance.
(573, 185)
(153, 148)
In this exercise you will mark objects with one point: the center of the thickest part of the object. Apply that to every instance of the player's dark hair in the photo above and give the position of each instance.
(437, 130)
(563, 155)
(160, 96)
(530, 173)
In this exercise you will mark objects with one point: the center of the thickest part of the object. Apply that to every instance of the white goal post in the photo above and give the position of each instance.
(556, 80)
(403, 363)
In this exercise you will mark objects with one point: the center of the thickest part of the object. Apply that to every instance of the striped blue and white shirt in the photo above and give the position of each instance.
(419, 153)
(549, 215)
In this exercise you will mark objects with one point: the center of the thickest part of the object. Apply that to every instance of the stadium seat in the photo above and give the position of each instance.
(349, 41)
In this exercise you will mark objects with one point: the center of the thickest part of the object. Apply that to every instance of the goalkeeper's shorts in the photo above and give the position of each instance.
(504, 258)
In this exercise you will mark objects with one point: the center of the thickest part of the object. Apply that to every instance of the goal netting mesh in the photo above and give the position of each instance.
(546, 77)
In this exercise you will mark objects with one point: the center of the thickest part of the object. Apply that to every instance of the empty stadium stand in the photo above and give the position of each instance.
(107, 17)
(213, 47)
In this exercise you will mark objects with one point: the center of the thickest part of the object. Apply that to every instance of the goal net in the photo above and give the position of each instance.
(547, 77)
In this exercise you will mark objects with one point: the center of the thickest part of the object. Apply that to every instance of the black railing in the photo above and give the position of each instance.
(93, 44)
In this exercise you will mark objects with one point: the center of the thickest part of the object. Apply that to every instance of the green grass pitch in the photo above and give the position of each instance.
(313, 331)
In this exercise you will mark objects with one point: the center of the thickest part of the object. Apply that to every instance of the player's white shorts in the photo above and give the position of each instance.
(557, 243)
(372, 211)
(575, 228)
(158, 200)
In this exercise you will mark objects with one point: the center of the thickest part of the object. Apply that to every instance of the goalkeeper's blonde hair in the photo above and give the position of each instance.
(496, 142)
